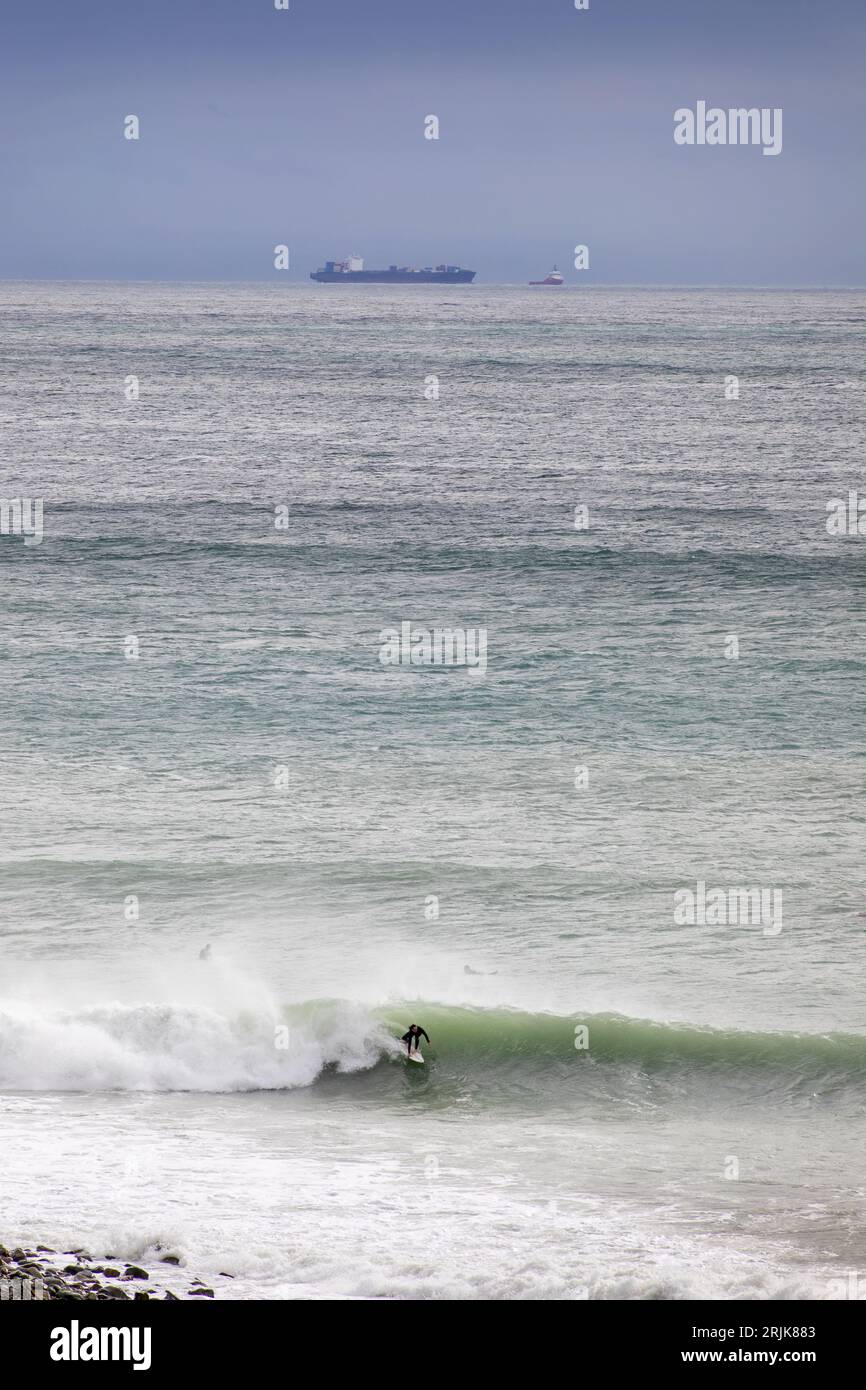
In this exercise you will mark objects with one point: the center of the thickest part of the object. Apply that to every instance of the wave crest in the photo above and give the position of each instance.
(173, 1047)
(168, 1047)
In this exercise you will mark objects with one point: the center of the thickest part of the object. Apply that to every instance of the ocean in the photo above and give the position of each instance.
(615, 870)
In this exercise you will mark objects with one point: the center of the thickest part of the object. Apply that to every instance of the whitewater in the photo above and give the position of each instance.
(240, 855)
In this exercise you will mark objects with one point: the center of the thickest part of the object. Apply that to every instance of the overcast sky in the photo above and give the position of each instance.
(306, 127)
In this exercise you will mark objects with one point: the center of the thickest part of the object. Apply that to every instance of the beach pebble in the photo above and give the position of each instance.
(76, 1282)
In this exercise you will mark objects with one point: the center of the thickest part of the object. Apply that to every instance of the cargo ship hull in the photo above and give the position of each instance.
(393, 277)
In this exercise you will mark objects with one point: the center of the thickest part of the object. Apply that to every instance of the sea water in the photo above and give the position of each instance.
(640, 1082)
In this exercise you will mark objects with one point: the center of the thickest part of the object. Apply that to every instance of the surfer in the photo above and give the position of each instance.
(412, 1039)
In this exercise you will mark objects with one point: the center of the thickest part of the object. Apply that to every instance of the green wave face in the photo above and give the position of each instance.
(491, 1035)
(536, 1048)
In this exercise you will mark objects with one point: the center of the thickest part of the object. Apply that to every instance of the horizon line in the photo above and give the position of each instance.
(484, 284)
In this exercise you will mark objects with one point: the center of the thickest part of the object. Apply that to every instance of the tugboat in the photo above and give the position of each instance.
(554, 278)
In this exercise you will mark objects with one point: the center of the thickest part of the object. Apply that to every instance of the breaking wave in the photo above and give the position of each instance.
(172, 1047)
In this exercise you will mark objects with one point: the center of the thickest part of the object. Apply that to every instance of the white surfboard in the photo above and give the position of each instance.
(416, 1057)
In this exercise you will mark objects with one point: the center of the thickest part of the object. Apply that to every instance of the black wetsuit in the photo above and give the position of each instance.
(411, 1038)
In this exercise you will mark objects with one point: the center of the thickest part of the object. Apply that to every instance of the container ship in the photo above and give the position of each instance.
(352, 272)
(553, 278)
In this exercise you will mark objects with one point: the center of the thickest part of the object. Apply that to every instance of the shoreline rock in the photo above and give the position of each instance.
(89, 1278)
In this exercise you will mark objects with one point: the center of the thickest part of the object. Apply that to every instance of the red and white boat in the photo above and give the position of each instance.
(554, 278)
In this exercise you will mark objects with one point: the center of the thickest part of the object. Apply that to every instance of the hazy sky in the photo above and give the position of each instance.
(306, 127)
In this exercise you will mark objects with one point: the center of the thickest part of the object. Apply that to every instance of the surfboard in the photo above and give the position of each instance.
(415, 1057)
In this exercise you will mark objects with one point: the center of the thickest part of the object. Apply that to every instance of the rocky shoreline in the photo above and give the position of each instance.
(48, 1274)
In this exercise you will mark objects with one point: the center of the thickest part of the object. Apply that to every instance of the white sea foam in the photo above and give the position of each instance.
(166, 1047)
